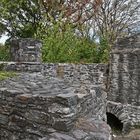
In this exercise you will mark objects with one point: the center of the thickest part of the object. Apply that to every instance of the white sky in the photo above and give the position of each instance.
(3, 39)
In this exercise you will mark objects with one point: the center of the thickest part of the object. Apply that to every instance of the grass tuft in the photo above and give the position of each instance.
(4, 75)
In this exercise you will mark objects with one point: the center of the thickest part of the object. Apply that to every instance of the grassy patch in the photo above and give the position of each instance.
(4, 75)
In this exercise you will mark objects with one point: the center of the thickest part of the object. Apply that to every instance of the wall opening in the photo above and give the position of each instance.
(115, 124)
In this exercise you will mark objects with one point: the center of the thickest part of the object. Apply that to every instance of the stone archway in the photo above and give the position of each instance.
(117, 113)
(114, 122)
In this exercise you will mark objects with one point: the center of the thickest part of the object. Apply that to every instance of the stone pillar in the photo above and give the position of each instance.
(26, 50)
(125, 71)
(124, 91)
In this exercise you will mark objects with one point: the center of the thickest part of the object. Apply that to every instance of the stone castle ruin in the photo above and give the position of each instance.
(124, 82)
(69, 101)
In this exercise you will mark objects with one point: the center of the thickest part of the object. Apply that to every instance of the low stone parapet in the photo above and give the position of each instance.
(21, 66)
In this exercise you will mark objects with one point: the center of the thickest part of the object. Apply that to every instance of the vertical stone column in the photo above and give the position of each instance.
(26, 50)
(124, 85)
(125, 71)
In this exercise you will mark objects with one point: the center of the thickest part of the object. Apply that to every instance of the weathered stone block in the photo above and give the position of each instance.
(26, 50)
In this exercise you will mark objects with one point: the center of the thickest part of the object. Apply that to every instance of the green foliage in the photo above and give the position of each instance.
(65, 46)
(4, 75)
(19, 18)
(32, 18)
(4, 53)
(103, 51)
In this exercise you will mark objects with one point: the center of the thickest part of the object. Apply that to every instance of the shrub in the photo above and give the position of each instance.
(4, 53)
(65, 46)
(103, 51)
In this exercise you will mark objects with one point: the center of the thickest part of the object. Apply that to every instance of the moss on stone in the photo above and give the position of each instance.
(4, 75)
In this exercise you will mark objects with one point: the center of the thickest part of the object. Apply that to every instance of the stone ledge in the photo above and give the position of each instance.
(21, 66)
(87, 129)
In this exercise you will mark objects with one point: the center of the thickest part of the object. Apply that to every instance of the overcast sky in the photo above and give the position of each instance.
(3, 39)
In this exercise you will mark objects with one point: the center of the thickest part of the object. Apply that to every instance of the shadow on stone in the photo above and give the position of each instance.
(115, 124)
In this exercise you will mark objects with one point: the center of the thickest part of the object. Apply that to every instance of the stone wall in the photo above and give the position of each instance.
(68, 101)
(21, 66)
(94, 74)
(124, 85)
(83, 73)
(54, 101)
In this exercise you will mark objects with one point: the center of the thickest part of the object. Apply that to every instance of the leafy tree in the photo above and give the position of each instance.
(23, 18)
(68, 28)
(19, 18)
(66, 46)
(107, 18)
(115, 18)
